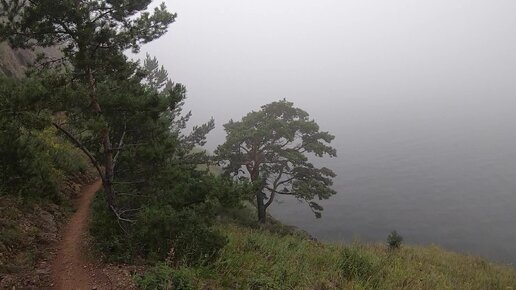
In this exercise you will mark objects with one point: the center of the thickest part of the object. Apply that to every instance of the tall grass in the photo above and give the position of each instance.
(259, 259)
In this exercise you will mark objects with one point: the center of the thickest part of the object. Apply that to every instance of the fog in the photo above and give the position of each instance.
(420, 96)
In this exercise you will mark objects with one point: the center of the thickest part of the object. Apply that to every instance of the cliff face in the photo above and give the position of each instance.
(14, 62)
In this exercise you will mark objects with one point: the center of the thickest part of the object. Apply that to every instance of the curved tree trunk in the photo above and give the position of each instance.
(107, 180)
(262, 215)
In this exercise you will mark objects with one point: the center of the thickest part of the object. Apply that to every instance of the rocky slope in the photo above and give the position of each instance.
(14, 62)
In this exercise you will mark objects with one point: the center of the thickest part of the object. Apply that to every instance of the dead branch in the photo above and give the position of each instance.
(120, 218)
(119, 145)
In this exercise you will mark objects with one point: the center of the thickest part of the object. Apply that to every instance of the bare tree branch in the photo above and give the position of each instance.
(120, 145)
(83, 149)
(275, 186)
(280, 192)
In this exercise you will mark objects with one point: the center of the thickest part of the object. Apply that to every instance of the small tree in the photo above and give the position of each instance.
(394, 240)
(270, 148)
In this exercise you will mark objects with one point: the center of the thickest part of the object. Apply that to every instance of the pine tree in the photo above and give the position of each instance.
(270, 148)
(92, 36)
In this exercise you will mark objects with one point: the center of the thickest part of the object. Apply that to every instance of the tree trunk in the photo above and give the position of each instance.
(108, 169)
(107, 180)
(261, 207)
(254, 171)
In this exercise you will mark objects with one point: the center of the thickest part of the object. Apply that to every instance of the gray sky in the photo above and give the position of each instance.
(344, 62)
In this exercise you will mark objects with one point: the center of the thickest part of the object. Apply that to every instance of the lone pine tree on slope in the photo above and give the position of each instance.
(270, 147)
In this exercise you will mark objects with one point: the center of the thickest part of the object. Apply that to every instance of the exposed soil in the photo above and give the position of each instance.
(30, 232)
(72, 269)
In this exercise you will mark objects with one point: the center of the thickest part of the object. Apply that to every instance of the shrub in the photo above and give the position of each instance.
(33, 162)
(64, 155)
(25, 168)
(114, 244)
(193, 242)
(157, 229)
(358, 264)
(162, 277)
(394, 240)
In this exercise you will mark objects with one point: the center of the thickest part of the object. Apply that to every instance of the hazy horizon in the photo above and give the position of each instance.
(334, 57)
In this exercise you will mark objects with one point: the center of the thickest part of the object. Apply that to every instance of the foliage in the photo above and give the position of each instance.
(162, 277)
(32, 156)
(394, 240)
(260, 259)
(271, 147)
(165, 200)
(173, 224)
(101, 27)
(182, 235)
(98, 88)
(127, 120)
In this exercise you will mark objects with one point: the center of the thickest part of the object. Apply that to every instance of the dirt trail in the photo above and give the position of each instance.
(71, 268)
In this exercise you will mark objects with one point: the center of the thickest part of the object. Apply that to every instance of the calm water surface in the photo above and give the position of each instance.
(439, 173)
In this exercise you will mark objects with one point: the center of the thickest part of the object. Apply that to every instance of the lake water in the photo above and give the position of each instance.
(441, 172)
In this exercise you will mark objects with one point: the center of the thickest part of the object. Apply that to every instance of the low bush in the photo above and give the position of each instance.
(394, 240)
(34, 162)
(159, 230)
(110, 239)
(26, 170)
(183, 237)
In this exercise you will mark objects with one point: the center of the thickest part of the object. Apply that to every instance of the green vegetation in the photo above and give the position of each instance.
(259, 259)
(168, 227)
(273, 145)
(394, 240)
(40, 173)
(125, 117)
(164, 203)
(32, 155)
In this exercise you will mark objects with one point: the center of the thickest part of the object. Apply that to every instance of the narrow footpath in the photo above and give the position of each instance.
(71, 269)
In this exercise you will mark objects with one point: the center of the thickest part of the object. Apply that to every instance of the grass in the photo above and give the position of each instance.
(260, 259)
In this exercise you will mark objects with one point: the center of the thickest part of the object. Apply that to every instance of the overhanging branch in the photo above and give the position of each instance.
(79, 145)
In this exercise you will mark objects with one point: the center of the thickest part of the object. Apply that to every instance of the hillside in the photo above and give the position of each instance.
(265, 259)
(14, 62)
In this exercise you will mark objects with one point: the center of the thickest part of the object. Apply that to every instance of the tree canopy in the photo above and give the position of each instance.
(272, 148)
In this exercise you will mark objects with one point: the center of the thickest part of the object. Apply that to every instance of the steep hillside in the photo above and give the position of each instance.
(260, 259)
(14, 62)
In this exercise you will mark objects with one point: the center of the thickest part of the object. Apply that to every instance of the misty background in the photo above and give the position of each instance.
(419, 94)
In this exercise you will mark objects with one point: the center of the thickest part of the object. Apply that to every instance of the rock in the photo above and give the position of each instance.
(47, 221)
(43, 271)
(47, 238)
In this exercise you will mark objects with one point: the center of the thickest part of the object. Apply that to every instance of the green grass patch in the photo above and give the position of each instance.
(260, 259)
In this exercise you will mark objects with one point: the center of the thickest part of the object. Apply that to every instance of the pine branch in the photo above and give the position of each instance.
(82, 148)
